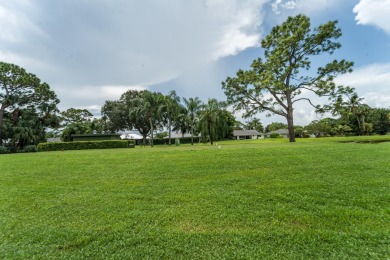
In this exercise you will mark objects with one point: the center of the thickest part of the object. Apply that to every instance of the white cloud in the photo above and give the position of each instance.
(240, 29)
(371, 82)
(82, 44)
(280, 4)
(14, 23)
(91, 97)
(308, 7)
(373, 12)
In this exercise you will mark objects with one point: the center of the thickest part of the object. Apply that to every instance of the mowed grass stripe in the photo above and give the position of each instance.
(246, 199)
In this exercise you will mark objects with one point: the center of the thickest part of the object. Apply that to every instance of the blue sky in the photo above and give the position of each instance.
(92, 51)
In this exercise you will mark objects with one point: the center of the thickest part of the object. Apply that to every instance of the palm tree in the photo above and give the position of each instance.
(193, 106)
(182, 121)
(354, 106)
(170, 108)
(255, 124)
(139, 120)
(147, 108)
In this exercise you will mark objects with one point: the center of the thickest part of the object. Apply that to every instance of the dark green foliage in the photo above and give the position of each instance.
(12, 149)
(85, 145)
(80, 121)
(30, 149)
(138, 110)
(169, 113)
(322, 127)
(3, 149)
(161, 135)
(148, 107)
(148, 111)
(27, 107)
(255, 124)
(380, 118)
(183, 140)
(353, 113)
(275, 135)
(192, 108)
(72, 115)
(355, 119)
(275, 126)
(75, 128)
(215, 122)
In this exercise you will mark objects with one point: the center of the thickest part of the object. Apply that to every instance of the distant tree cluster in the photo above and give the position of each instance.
(80, 121)
(148, 111)
(372, 121)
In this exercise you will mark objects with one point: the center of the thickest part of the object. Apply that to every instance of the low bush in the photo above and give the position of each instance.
(85, 145)
(275, 135)
(29, 149)
(3, 149)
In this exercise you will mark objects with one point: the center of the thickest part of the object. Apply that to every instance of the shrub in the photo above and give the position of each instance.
(274, 135)
(29, 149)
(3, 149)
(12, 149)
(84, 145)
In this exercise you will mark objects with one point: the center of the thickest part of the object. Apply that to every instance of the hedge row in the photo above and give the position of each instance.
(12, 149)
(85, 145)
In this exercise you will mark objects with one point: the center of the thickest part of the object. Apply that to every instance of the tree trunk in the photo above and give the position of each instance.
(192, 131)
(363, 125)
(210, 133)
(1, 123)
(169, 131)
(359, 124)
(144, 139)
(290, 124)
(151, 131)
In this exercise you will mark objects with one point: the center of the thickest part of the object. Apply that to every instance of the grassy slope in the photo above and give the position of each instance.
(247, 199)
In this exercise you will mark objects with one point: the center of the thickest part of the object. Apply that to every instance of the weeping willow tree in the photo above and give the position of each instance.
(215, 122)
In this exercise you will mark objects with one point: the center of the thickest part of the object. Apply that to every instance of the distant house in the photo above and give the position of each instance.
(53, 140)
(179, 135)
(247, 134)
(282, 132)
(131, 136)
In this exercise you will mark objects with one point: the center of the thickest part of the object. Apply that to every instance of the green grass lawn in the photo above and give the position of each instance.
(317, 198)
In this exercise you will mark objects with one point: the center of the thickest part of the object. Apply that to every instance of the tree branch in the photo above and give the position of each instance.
(299, 99)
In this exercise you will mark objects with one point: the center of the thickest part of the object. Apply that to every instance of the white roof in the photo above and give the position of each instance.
(131, 136)
(245, 132)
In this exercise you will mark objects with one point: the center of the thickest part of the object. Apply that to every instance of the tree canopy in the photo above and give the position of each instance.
(276, 83)
(193, 106)
(215, 122)
(27, 107)
(80, 121)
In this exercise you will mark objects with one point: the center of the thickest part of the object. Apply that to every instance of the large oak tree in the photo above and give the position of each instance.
(27, 106)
